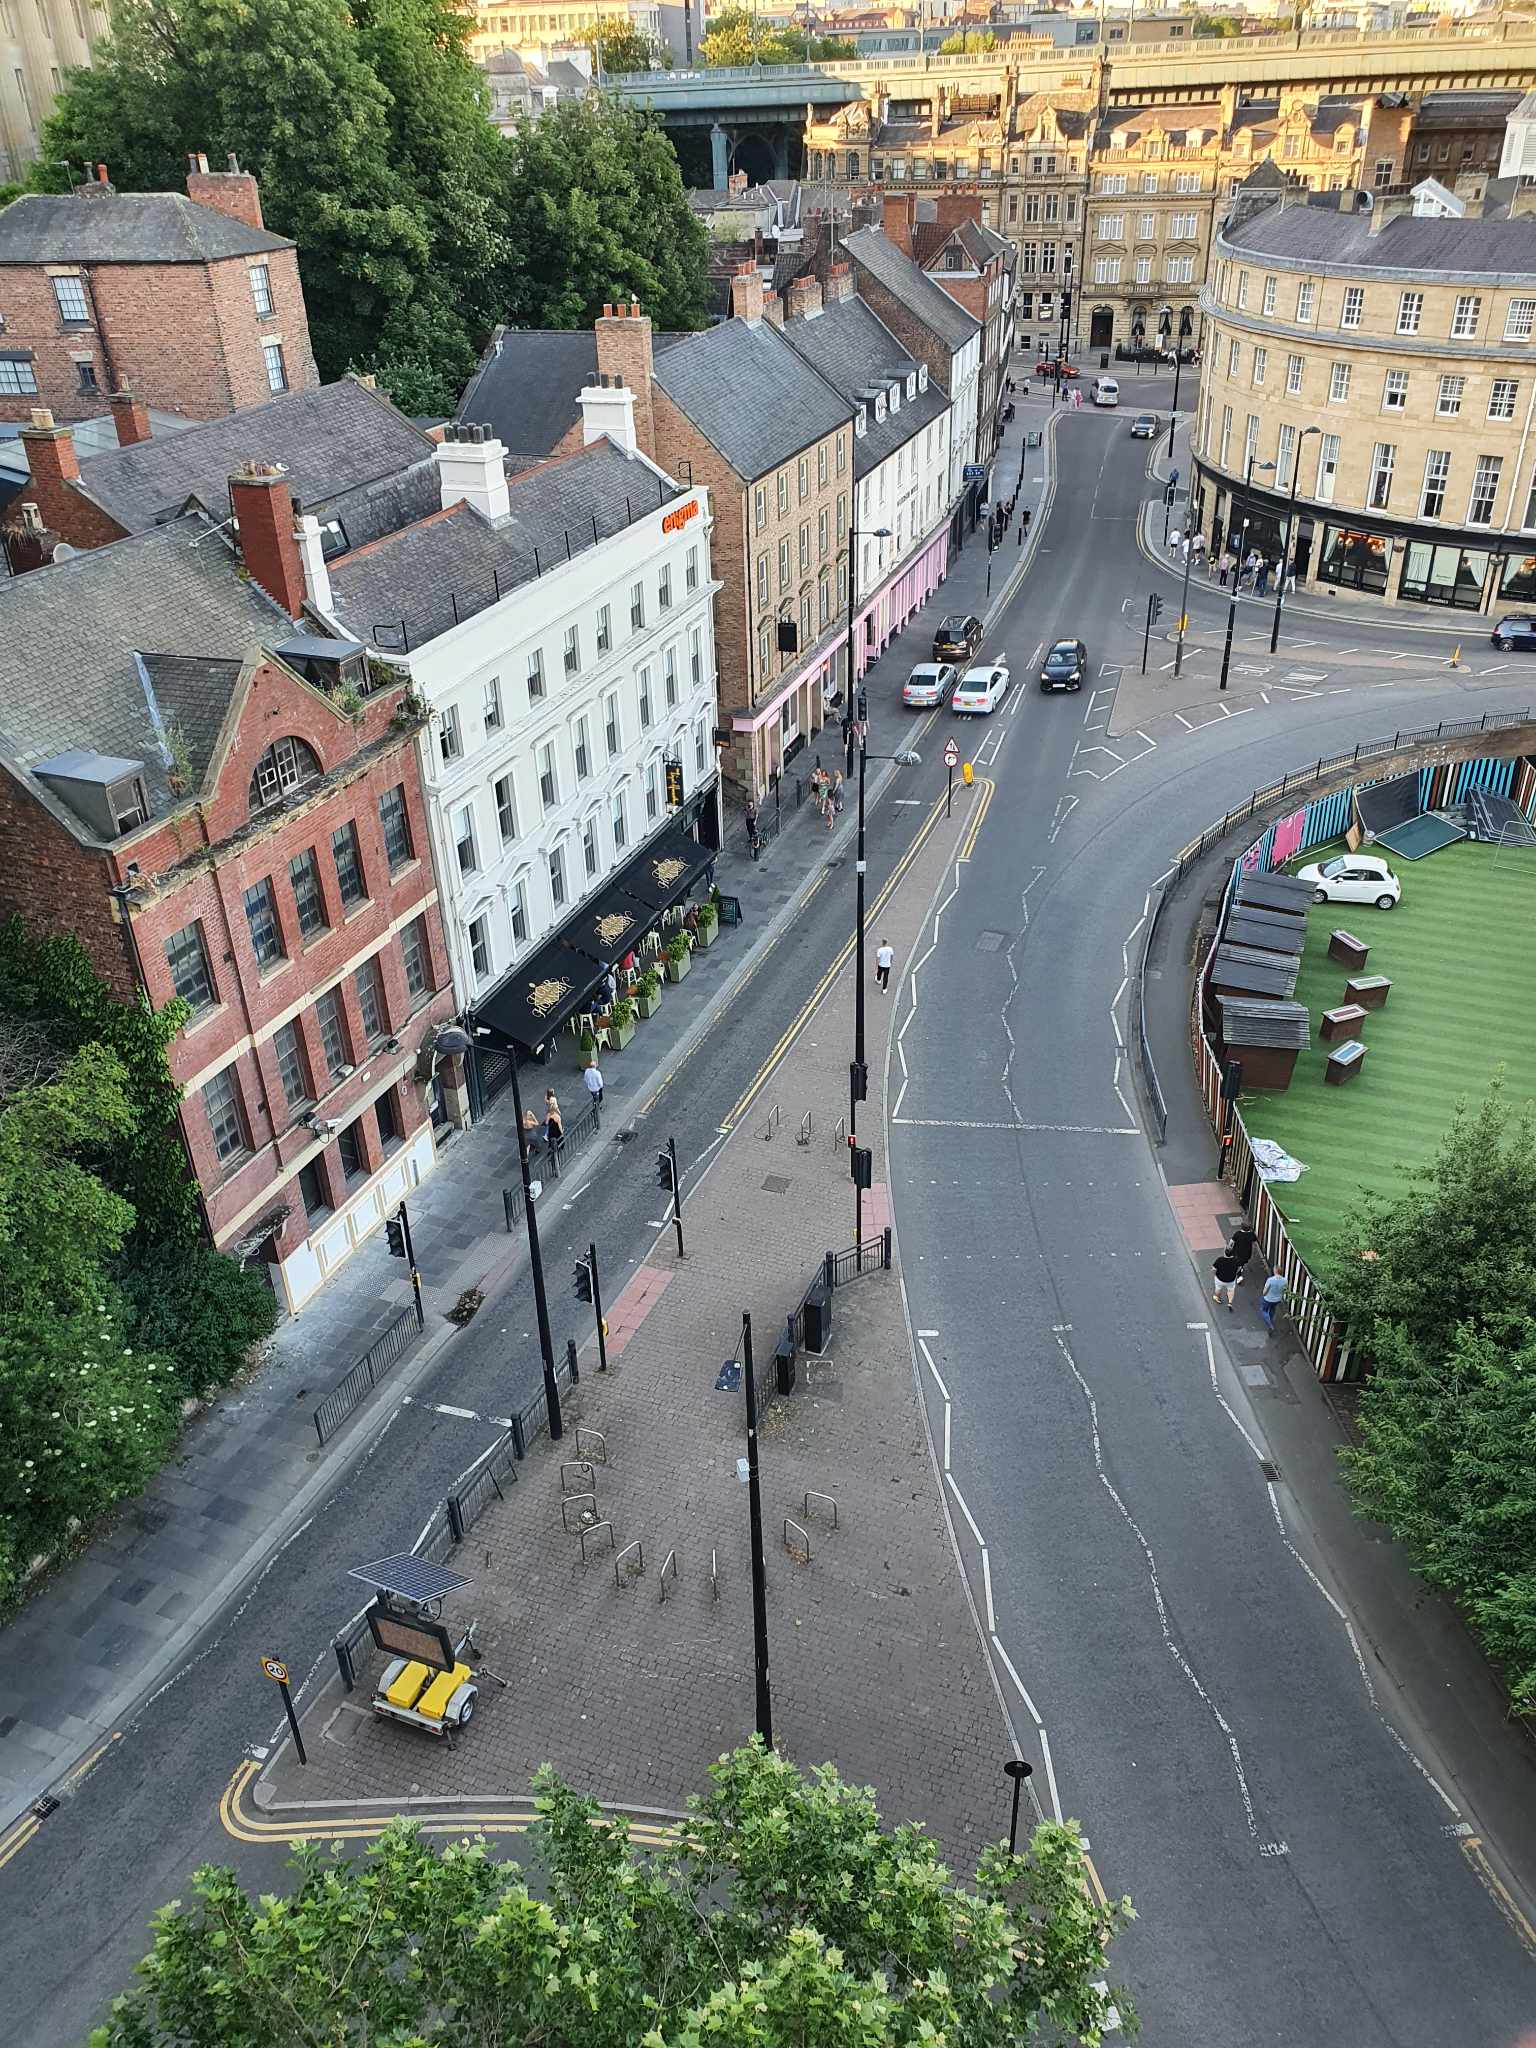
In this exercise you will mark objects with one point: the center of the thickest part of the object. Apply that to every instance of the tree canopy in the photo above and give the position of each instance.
(785, 1916)
(622, 47)
(971, 42)
(737, 37)
(1439, 1290)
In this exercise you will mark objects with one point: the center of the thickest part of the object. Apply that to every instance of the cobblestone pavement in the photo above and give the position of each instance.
(874, 1655)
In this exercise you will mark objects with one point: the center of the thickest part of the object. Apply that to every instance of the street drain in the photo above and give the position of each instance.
(990, 942)
(1269, 1468)
(776, 1184)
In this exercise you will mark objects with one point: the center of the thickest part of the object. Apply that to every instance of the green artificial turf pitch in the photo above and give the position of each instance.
(1460, 951)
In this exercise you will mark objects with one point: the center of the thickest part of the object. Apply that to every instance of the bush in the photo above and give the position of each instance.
(199, 1308)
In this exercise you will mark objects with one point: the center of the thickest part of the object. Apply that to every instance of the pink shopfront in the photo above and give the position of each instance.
(882, 618)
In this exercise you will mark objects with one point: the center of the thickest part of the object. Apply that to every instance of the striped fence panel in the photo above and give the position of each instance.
(1328, 818)
(1524, 789)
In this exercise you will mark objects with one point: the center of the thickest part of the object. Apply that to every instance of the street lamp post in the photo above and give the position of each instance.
(1237, 571)
(1290, 534)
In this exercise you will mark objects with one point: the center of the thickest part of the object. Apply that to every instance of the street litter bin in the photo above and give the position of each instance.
(818, 1319)
(1104, 360)
(784, 1366)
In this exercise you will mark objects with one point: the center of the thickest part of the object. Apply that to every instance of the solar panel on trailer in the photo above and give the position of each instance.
(1420, 836)
(411, 1578)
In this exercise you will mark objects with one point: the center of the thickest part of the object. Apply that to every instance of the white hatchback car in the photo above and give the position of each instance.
(980, 690)
(1353, 878)
(928, 685)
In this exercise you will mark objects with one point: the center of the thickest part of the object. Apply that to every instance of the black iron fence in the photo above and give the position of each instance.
(551, 1162)
(872, 1255)
(356, 1385)
(1157, 1102)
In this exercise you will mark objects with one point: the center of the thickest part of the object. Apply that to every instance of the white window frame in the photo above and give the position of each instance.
(1295, 372)
(1352, 310)
(1410, 312)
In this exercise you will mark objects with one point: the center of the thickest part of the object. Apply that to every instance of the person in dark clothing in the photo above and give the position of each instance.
(1228, 1275)
(1241, 1248)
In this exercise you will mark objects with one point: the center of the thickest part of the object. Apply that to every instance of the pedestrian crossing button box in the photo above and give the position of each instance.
(818, 1319)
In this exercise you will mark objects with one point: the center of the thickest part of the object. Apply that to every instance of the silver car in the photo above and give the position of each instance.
(928, 685)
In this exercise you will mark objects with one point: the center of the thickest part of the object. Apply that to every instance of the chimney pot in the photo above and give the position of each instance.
(41, 416)
(232, 163)
(471, 469)
(101, 175)
(607, 312)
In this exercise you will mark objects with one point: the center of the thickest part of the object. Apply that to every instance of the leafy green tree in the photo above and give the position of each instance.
(199, 1309)
(1217, 25)
(620, 47)
(968, 43)
(787, 1918)
(596, 212)
(1439, 1290)
(737, 37)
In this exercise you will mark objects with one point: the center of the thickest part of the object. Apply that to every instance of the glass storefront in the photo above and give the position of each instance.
(1519, 579)
(1354, 561)
(1444, 575)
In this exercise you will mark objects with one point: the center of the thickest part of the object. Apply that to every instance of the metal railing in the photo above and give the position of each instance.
(358, 1383)
(580, 1131)
(873, 1255)
(1157, 1102)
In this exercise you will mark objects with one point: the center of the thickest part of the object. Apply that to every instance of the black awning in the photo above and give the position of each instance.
(610, 925)
(539, 996)
(666, 869)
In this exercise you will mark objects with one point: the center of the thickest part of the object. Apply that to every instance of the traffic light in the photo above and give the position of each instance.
(863, 1167)
(582, 1276)
(394, 1230)
(674, 782)
(1155, 606)
(664, 1171)
(858, 1080)
(1231, 1080)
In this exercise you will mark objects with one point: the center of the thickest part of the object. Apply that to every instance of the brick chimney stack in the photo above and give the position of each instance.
(747, 293)
(269, 545)
(896, 213)
(51, 456)
(626, 358)
(839, 284)
(232, 191)
(773, 309)
(803, 299)
(130, 416)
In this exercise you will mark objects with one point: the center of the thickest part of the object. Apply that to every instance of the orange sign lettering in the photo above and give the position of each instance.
(675, 521)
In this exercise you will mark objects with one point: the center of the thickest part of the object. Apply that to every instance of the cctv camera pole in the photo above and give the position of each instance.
(535, 1260)
(755, 1521)
(597, 1307)
(1178, 648)
(677, 1196)
(410, 1260)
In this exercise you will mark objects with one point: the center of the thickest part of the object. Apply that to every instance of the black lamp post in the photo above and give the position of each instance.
(1290, 534)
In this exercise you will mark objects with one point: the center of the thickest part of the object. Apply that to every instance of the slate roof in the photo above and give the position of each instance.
(344, 449)
(125, 227)
(71, 639)
(402, 591)
(853, 349)
(193, 692)
(1315, 238)
(750, 394)
(528, 383)
(1489, 109)
(904, 280)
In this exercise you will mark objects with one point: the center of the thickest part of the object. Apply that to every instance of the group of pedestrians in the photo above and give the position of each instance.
(1255, 571)
(827, 793)
(1229, 1269)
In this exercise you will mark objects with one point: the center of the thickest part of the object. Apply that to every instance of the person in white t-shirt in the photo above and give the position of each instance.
(885, 960)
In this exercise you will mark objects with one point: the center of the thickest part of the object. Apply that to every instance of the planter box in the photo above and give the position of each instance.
(648, 1005)
(619, 1035)
(676, 969)
(585, 1060)
(706, 934)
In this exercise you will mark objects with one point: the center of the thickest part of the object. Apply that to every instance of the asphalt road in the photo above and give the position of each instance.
(1366, 1929)
(1203, 1712)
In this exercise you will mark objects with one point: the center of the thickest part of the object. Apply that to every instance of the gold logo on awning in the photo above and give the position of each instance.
(544, 996)
(611, 929)
(669, 869)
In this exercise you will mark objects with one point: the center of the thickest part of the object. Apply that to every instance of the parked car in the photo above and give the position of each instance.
(1144, 427)
(958, 638)
(1049, 367)
(1105, 391)
(980, 691)
(1064, 667)
(1353, 878)
(929, 684)
(1510, 633)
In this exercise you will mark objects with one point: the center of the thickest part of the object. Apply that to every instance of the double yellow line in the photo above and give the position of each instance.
(506, 1817)
(984, 789)
(26, 1826)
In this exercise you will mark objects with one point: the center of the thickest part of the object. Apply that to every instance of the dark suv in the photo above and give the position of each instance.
(957, 639)
(1510, 633)
(1065, 666)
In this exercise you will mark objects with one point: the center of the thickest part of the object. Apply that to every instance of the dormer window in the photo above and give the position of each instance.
(922, 376)
(894, 395)
(859, 422)
(880, 407)
(912, 385)
(287, 764)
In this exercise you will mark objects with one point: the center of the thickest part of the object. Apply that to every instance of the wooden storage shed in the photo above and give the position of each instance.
(1266, 1037)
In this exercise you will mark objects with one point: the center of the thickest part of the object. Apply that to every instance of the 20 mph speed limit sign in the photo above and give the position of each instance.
(275, 1669)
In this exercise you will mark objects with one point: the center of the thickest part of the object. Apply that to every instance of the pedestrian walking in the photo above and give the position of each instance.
(593, 1076)
(837, 791)
(1261, 579)
(554, 1125)
(1229, 1277)
(754, 844)
(1271, 1297)
(1224, 568)
(885, 960)
(1197, 546)
(1244, 1238)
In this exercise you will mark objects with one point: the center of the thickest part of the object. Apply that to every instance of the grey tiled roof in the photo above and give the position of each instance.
(853, 349)
(1465, 109)
(900, 276)
(192, 692)
(528, 382)
(1314, 236)
(71, 638)
(125, 227)
(345, 450)
(408, 587)
(752, 395)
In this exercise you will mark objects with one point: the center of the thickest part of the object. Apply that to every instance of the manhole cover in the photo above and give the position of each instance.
(1255, 1376)
(776, 1184)
(989, 942)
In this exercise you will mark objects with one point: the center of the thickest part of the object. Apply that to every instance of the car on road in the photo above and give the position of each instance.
(980, 691)
(928, 685)
(1105, 391)
(1049, 367)
(958, 638)
(1510, 633)
(1064, 667)
(1353, 878)
(1144, 427)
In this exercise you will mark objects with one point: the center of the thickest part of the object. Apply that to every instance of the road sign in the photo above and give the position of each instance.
(275, 1669)
(951, 753)
(974, 473)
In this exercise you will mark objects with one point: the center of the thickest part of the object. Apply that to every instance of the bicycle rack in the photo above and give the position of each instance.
(668, 1564)
(624, 1573)
(586, 1515)
(803, 1135)
(831, 1503)
(774, 1120)
(596, 1530)
(591, 1446)
(840, 1131)
(584, 1475)
(802, 1549)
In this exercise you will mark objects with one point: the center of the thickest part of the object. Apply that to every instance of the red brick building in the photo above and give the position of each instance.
(225, 808)
(188, 302)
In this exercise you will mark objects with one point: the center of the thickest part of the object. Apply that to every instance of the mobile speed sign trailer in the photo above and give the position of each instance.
(426, 1683)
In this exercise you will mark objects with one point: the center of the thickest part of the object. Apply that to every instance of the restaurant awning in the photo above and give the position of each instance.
(538, 996)
(665, 869)
(608, 926)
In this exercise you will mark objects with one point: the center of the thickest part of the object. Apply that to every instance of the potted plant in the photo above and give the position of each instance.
(708, 929)
(678, 957)
(588, 1049)
(648, 993)
(621, 1025)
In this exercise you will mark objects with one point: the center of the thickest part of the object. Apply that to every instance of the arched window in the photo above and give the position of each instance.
(285, 765)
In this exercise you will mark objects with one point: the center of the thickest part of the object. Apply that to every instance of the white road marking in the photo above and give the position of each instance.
(1050, 1775)
(1023, 1692)
(986, 1567)
(940, 1123)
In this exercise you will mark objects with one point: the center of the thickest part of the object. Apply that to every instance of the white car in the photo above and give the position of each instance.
(980, 690)
(928, 685)
(1353, 878)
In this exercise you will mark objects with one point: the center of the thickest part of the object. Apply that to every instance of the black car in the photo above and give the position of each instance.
(957, 639)
(1065, 666)
(1510, 633)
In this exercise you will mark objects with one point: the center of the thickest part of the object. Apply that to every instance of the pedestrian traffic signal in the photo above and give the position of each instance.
(863, 1167)
(583, 1280)
(674, 782)
(1155, 607)
(664, 1171)
(394, 1230)
(858, 1080)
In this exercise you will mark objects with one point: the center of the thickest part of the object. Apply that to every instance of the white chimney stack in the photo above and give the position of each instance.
(471, 469)
(317, 577)
(607, 407)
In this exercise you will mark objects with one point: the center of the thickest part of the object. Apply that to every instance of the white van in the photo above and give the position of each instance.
(1105, 391)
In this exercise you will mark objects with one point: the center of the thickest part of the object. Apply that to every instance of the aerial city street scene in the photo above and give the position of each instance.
(768, 1023)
